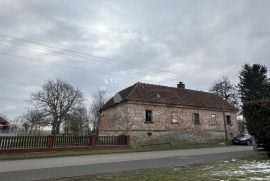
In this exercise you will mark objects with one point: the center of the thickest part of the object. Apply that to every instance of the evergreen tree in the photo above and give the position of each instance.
(253, 84)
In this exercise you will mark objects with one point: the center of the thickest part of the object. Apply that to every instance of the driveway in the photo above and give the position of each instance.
(46, 168)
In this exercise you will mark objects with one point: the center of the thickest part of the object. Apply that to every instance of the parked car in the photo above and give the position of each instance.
(242, 139)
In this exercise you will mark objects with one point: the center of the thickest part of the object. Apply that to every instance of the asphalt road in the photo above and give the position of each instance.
(47, 168)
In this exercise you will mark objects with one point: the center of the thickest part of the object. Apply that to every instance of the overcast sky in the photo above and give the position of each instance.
(113, 44)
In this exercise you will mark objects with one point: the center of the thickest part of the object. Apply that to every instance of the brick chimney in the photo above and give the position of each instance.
(181, 85)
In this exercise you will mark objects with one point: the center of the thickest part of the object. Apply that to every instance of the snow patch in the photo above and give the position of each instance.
(256, 167)
(258, 178)
(247, 167)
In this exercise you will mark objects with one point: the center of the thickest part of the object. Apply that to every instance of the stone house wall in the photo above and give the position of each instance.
(114, 120)
(129, 118)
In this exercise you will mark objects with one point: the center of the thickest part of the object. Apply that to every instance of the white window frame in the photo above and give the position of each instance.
(174, 116)
(213, 119)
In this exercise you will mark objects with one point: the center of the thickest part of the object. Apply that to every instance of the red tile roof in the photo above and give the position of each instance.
(150, 93)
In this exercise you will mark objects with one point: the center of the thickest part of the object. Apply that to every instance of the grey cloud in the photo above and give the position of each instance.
(197, 41)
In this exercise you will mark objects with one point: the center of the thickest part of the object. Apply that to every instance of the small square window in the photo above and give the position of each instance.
(148, 116)
(228, 119)
(196, 118)
(174, 117)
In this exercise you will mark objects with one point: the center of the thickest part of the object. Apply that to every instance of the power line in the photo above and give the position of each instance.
(86, 58)
(33, 44)
(85, 61)
(72, 52)
(68, 66)
(37, 60)
(38, 48)
(143, 72)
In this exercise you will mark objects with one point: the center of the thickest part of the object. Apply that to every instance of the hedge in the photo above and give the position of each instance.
(257, 114)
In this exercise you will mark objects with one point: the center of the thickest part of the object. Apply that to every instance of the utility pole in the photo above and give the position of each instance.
(225, 122)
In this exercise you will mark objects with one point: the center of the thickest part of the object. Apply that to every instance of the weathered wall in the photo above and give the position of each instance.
(176, 137)
(114, 120)
(129, 118)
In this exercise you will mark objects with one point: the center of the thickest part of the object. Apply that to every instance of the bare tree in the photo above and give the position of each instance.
(77, 122)
(56, 100)
(35, 119)
(99, 100)
(225, 89)
(26, 127)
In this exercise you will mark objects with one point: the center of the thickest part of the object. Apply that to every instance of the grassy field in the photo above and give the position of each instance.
(241, 169)
(13, 156)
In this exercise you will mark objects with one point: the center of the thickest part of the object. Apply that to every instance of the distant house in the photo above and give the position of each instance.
(5, 129)
(148, 109)
(4, 125)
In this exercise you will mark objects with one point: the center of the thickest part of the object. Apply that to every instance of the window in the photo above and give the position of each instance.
(148, 116)
(174, 117)
(213, 119)
(196, 118)
(228, 119)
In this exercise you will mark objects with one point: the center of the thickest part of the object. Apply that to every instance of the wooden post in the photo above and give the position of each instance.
(254, 144)
(225, 123)
(90, 140)
(50, 142)
(93, 140)
(127, 140)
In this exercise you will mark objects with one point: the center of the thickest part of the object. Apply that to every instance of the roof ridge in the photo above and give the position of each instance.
(174, 87)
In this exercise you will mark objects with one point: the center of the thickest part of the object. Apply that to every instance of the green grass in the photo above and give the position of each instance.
(227, 170)
(15, 156)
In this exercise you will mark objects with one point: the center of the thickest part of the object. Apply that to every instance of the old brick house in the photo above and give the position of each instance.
(149, 109)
